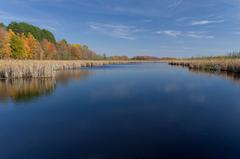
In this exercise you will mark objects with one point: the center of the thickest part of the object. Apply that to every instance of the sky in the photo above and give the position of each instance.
(164, 28)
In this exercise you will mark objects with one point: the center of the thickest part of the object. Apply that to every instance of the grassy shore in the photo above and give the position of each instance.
(211, 64)
(37, 68)
(47, 68)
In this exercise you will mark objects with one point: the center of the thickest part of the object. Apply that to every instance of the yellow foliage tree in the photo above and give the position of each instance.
(18, 50)
(5, 49)
(11, 33)
(26, 47)
(30, 44)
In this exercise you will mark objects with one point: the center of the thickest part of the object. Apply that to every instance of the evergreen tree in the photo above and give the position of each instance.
(26, 28)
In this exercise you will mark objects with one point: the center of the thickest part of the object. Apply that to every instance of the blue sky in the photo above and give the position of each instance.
(179, 28)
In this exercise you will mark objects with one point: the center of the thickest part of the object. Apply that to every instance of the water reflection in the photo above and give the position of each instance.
(64, 77)
(235, 77)
(149, 111)
(24, 90)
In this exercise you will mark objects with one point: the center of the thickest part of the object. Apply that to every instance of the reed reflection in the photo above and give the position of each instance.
(235, 77)
(24, 90)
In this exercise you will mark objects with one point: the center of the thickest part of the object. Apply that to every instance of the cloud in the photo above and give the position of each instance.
(199, 35)
(175, 4)
(49, 27)
(191, 34)
(157, 8)
(183, 19)
(206, 22)
(172, 33)
(118, 31)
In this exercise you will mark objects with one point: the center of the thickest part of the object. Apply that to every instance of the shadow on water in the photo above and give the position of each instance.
(26, 90)
(235, 77)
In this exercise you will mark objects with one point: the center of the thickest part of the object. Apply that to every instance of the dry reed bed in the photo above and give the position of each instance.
(229, 65)
(36, 68)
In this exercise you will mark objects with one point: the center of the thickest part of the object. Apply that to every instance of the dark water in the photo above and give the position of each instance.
(140, 111)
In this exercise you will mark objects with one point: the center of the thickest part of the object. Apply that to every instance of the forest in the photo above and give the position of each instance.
(25, 41)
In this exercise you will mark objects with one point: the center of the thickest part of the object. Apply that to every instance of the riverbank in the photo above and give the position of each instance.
(228, 65)
(44, 68)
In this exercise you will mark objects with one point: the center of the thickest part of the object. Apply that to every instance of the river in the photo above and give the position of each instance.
(130, 111)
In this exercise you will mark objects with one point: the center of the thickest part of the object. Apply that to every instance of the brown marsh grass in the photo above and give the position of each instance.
(221, 64)
(37, 68)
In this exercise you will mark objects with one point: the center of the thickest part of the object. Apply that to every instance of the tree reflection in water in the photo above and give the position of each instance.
(24, 90)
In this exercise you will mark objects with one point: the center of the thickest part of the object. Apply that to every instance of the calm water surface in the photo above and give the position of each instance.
(137, 111)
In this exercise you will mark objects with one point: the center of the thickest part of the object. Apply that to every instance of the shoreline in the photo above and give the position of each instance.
(48, 68)
(225, 65)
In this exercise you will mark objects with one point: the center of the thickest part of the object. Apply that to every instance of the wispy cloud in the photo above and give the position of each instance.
(118, 31)
(175, 4)
(51, 28)
(125, 7)
(206, 22)
(172, 33)
(183, 19)
(191, 34)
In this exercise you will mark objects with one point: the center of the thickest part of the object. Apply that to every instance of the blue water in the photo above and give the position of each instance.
(134, 111)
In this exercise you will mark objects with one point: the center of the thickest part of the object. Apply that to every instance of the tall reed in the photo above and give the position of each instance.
(37, 68)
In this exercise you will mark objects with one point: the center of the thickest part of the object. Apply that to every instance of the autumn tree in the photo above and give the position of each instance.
(30, 44)
(39, 53)
(49, 49)
(76, 51)
(5, 49)
(63, 50)
(18, 50)
(87, 53)
(82, 52)
(25, 41)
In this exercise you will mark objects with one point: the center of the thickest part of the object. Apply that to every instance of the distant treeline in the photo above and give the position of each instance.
(141, 58)
(118, 58)
(25, 41)
(151, 58)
